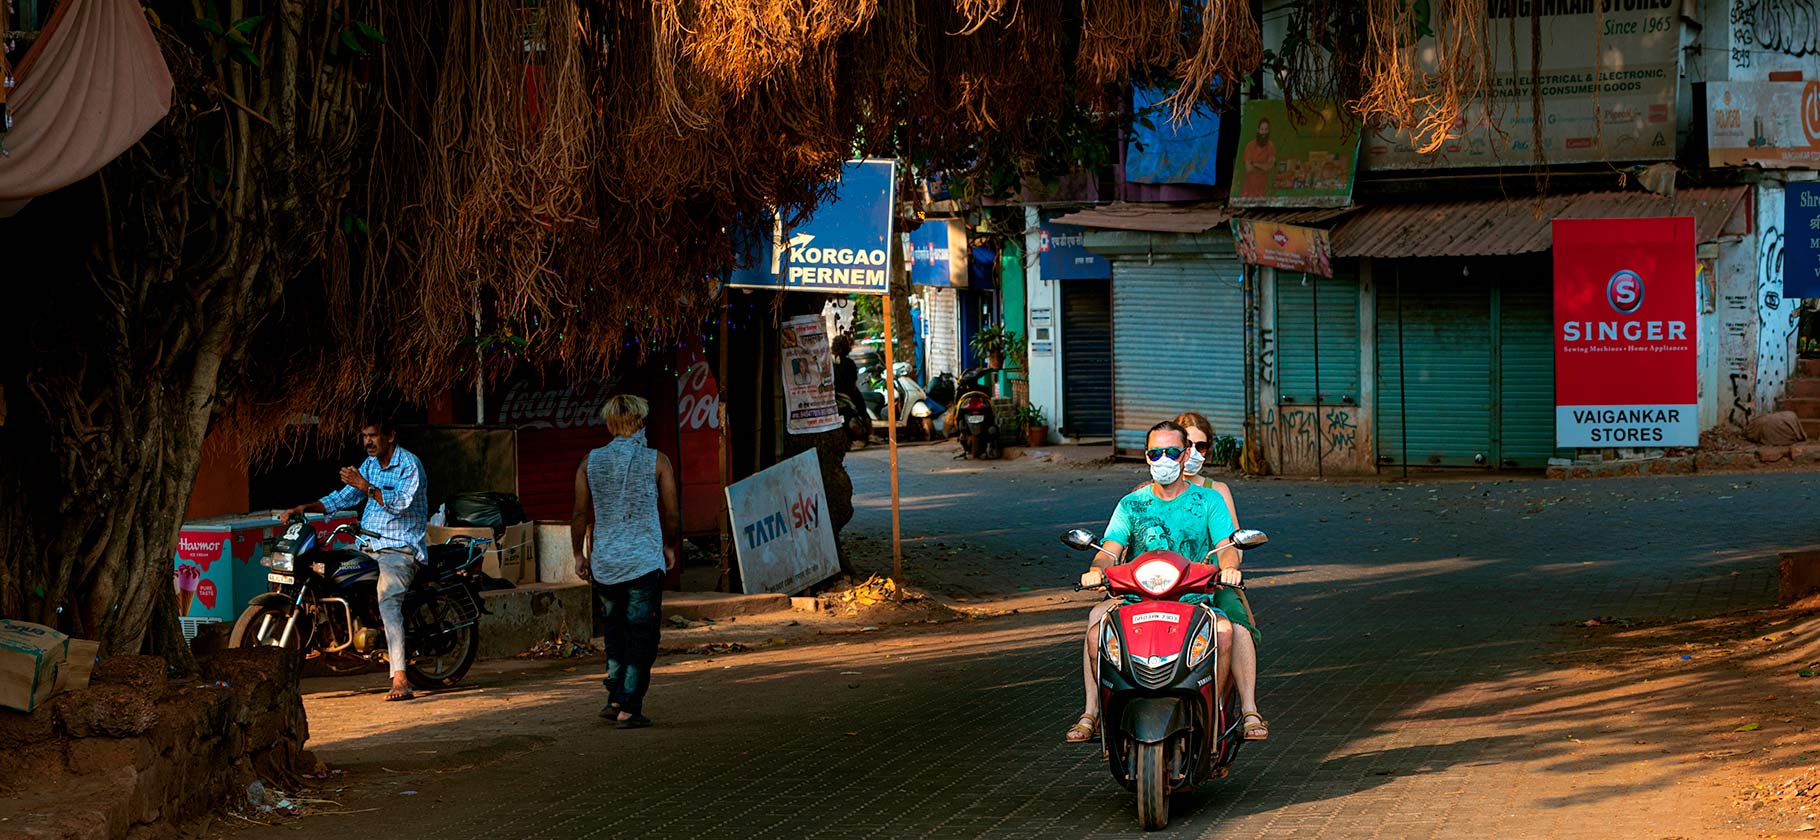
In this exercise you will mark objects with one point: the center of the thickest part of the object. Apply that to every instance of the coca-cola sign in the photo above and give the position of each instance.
(568, 407)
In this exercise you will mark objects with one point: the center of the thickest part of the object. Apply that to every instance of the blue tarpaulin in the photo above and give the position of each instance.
(1167, 152)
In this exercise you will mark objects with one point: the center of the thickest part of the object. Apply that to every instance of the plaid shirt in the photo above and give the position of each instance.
(404, 515)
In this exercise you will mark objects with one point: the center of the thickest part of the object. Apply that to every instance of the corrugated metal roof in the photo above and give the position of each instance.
(1505, 226)
(1312, 216)
(1150, 218)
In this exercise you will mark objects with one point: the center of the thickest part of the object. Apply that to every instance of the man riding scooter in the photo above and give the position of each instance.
(1174, 515)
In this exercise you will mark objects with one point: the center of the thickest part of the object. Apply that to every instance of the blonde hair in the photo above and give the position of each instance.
(1193, 420)
(624, 413)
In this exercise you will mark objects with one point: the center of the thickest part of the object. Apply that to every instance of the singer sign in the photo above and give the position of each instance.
(1626, 363)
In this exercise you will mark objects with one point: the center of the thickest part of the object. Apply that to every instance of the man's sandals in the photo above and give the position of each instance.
(1256, 728)
(400, 693)
(1084, 729)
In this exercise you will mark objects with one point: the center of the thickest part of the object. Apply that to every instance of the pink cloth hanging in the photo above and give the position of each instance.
(88, 89)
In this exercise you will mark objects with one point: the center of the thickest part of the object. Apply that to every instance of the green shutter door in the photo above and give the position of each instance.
(1316, 311)
(1526, 405)
(1178, 332)
(1440, 383)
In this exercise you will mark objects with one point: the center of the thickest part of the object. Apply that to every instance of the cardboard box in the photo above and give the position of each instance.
(513, 555)
(32, 658)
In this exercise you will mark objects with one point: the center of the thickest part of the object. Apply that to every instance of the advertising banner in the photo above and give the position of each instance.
(1608, 78)
(1287, 247)
(217, 567)
(780, 523)
(1284, 163)
(1775, 125)
(1063, 254)
(844, 247)
(937, 253)
(698, 430)
(1163, 151)
(1801, 241)
(808, 373)
(1626, 361)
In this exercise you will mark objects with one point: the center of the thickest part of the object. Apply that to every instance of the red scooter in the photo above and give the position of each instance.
(1168, 709)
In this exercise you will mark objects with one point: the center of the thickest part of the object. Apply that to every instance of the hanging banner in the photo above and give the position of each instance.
(780, 523)
(1285, 247)
(1801, 241)
(845, 247)
(1285, 163)
(937, 253)
(1626, 364)
(1775, 125)
(1608, 78)
(808, 374)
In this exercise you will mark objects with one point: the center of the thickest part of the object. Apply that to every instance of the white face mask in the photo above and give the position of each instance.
(1165, 471)
(1195, 461)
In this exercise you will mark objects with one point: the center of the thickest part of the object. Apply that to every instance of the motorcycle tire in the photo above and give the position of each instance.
(452, 666)
(260, 625)
(1152, 786)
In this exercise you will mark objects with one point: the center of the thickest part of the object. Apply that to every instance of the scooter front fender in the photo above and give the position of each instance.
(277, 599)
(1152, 720)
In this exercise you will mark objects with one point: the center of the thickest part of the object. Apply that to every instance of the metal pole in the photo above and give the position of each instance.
(726, 449)
(897, 545)
(1320, 452)
(1402, 374)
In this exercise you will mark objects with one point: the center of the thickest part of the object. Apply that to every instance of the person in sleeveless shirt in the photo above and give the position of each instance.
(624, 533)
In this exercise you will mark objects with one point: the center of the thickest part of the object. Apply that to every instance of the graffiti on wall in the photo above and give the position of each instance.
(1778, 319)
(1317, 434)
(1783, 27)
(1267, 356)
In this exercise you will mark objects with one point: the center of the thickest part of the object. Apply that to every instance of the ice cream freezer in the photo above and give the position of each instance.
(217, 568)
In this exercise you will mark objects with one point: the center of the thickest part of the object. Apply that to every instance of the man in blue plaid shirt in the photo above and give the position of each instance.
(390, 483)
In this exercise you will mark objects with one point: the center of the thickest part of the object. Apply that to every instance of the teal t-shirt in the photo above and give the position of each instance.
(1190, 524)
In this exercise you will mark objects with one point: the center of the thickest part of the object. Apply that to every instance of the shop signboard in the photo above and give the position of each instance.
(1775, 125)
(1305, 161)
(780, 524)
(1062, 253)
(844, 247)
(1626, 362)
(1608, 78)
(698, 431)
(937, 254)
(1801, 241)
(1285, 247)
(808, 376)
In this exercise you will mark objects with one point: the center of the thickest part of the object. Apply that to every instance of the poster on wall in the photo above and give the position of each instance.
(1801, 241)
(808, 374)
(1626, 363)
(780, 524)
(1308, 161)
(1608, 80)
(845, 247)
(1775, 125)
(1285, 247)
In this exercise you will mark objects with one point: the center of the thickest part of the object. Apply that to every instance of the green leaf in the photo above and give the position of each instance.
(246, 25)
(247, 57)
(369, 32)
(348, 40)
(1749, 727)
(209, 26)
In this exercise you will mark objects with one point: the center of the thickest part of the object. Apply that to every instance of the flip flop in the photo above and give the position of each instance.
(399, 694)
(635, 722)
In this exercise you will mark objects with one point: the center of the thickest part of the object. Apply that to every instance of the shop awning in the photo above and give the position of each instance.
(1150, 218)
(1507, 226)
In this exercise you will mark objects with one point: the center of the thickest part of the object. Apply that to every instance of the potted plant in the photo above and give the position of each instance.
(1036, 426)
(992, 342)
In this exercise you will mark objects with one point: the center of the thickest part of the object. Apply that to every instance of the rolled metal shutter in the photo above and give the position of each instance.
(1441, 380)
(1526, 371)
(1086, 357)
(1310, 307)
(1178, 344)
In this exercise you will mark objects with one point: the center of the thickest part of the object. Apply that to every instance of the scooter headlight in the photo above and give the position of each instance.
(280, 561)
(1200, 645)
(1157, 576)
(1109, 643)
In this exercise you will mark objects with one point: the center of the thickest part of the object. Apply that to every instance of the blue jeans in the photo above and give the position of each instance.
(629, 615)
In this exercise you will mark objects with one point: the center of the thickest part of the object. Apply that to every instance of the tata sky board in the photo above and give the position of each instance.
(1626, 363)
(845, 247)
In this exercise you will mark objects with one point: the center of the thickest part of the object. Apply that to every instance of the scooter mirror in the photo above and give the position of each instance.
(1078, 538)
(1247, 538)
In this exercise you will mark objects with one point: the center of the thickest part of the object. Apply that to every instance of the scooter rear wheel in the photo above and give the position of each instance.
(1152, 786)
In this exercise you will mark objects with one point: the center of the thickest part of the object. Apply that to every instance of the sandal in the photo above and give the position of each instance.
(1084, 729)
(398, 694)
(1259, 731)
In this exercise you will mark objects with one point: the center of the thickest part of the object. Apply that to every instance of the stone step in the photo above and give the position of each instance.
(1806, 408)
(1807, 367)
(1812, 428)
(1804, 386)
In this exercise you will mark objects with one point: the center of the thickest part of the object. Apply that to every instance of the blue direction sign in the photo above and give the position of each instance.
(845, 247)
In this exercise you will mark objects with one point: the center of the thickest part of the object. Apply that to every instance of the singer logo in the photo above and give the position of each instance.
(1625, 292)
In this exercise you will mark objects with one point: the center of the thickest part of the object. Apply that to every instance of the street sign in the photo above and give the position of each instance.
(1801, 241)
(781, 525)
(1626, 366)
(845, 247)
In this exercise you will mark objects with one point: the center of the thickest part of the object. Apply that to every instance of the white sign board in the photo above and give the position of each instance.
(780, 523)
(808, 371)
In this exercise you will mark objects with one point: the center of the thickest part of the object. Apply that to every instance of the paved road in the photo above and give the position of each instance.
(1408, 632)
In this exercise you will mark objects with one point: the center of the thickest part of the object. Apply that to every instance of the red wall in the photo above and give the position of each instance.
(222, 485)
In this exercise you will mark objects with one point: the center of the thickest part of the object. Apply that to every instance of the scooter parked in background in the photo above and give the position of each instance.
(916, 412)
(972, 417)
(1169, 712)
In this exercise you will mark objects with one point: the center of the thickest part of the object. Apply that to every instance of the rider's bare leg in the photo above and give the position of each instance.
(1245, 669)
(1090, 657)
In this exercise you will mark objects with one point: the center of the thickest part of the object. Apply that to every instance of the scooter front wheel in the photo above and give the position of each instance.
(262, 625)
(1152, 786)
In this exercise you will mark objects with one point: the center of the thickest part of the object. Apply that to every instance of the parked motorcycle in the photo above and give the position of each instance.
(972, 416)
(915, 410)
(1168, 709)
(324, 605)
